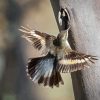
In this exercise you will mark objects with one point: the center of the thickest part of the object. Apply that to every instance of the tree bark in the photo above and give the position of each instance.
(85, 28)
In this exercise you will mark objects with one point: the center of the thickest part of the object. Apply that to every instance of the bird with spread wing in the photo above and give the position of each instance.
(58, 57)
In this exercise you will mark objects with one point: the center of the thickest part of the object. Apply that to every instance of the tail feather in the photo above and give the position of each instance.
(55, 79)
(43, 70)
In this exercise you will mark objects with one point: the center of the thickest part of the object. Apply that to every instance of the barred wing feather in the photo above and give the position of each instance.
(40, 41)
(74, 61)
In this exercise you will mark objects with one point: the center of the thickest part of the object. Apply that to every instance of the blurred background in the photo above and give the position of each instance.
(14, 51)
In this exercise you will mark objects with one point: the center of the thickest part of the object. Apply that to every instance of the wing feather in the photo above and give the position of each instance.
(74, 61)
(40, 41)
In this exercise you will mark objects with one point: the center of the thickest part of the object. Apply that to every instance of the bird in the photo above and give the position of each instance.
(58, 57)
(64, 18)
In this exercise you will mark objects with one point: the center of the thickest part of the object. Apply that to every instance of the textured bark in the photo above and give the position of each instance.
(85, 27)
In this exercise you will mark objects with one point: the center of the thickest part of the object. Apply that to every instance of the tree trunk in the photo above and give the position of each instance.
(85, 27)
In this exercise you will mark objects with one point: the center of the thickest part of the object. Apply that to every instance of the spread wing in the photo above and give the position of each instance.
(40, 41)
(74, 61)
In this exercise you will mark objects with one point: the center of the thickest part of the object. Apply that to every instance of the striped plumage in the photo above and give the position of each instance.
(42, 70)
(59, 57)
(64, 18)
(74, 61)
(56, 57)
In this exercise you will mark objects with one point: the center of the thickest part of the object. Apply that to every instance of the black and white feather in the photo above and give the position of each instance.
(42, 70)
(40, 41)
(64, 16)
(58, 57)
(74, 61)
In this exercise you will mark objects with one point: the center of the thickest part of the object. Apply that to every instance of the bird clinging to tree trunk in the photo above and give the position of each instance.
(58, 57)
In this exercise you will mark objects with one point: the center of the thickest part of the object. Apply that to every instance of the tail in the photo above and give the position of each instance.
(43, 70)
